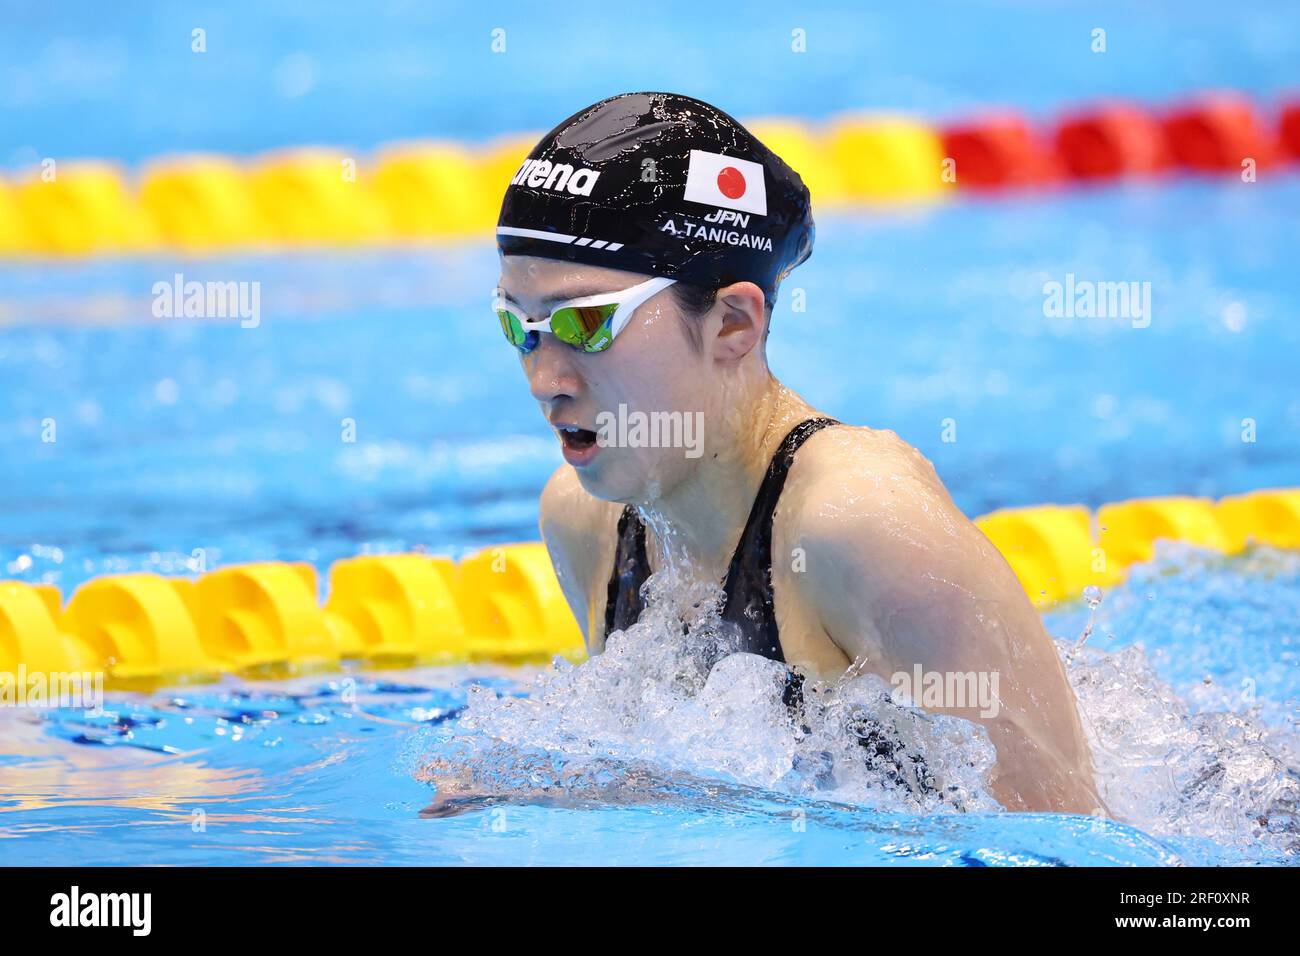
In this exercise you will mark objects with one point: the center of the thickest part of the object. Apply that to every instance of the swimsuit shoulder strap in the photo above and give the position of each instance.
(748, 585)
(749, 601)
(631, 568)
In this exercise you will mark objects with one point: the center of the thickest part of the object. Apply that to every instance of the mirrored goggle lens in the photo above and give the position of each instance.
(586, 327)
(512, 327)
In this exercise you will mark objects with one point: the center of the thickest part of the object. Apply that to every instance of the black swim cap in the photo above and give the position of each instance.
(660, 184)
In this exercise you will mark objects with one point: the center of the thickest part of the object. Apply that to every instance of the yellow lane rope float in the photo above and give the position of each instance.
(504, 603)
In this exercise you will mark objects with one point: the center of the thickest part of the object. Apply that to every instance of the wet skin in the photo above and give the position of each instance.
(873, 565)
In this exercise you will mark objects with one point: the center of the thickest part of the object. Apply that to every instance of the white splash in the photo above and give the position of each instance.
(669, 693)
(668, 707)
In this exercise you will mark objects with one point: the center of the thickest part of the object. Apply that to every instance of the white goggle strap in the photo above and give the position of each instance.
(629, 299)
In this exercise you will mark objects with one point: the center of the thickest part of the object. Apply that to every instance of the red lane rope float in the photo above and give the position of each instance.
(1211, 133)
(1112, 140)
(1289, 131)
(998, 152)
(1217, 133)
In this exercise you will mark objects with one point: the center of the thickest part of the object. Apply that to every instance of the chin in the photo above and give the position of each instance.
(611, 480)
(628, 479)
(595, 481)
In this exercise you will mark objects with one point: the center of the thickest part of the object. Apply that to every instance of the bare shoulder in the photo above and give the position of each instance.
(579, 532)
(866, 508)
(853, 470)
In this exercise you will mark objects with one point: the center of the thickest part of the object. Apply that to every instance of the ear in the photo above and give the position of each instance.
(744, 321)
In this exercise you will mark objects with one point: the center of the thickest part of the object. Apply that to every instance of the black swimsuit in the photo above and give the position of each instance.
(748, 586)
(749, 604)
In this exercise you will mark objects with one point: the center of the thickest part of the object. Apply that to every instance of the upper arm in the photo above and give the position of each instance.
(897, 574)
(890, 567)
(573, 527)
(899, 578)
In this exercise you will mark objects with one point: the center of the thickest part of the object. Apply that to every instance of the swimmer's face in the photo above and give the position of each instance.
(651, 369)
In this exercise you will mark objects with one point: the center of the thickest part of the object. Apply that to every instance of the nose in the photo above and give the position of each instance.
(552, 372)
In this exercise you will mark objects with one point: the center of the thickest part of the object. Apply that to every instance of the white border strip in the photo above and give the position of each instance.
(559, 237)
(533, 234)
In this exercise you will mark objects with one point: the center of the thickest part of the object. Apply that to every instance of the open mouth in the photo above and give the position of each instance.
(575, 438)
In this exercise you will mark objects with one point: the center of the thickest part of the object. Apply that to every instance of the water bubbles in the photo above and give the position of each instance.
(673, 694)
(1092, 598)
(671, 713)
(1186, 766)
(1234, 316)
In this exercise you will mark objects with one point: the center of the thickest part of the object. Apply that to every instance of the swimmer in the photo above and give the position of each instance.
(642, 245)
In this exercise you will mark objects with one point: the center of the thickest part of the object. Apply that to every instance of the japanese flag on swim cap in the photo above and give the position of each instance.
(661, 184)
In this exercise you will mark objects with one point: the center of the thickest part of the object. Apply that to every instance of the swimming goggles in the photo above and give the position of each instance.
(588, 323)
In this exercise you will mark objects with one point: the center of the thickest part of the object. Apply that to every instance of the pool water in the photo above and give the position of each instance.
(188, 444)
(94, 82)
(335, 770)
(176, 435)
(185, 439)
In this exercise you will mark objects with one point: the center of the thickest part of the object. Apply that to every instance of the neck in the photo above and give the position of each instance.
(699, 522)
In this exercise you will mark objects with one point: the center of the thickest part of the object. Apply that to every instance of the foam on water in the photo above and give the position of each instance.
(1219, 760)
(666, 707)
(655, 695)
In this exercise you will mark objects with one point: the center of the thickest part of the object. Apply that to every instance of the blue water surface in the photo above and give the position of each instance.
(177, 438)
(82, 78)
(131, 443)
(177, 435)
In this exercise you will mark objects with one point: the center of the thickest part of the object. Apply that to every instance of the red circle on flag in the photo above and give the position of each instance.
(731, 182)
